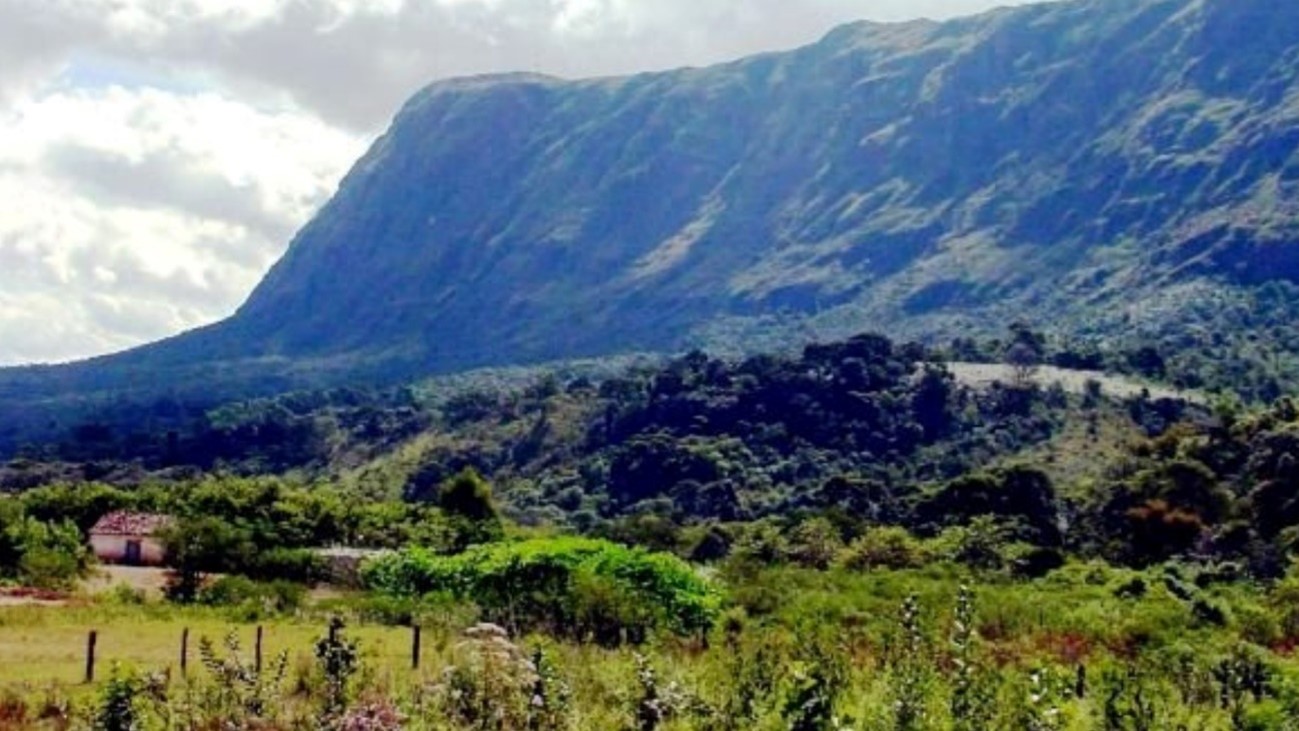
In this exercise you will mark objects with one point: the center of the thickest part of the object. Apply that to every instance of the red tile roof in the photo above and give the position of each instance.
(123, 523)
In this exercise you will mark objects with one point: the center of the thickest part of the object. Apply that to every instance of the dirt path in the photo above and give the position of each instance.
(105, 578)
(982, 375)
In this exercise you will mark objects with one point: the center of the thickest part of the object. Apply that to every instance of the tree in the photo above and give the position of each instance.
(1023, 362)
(466, 500)
(932, 401)
(890, 547)
(1019, 494)
(815, 543)
(1158, 531)
(197, 547)
(1024, 354)
(1147, 361)
(11, 547)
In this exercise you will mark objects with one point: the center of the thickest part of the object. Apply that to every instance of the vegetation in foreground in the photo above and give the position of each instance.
(848, 538)
(1089, 647)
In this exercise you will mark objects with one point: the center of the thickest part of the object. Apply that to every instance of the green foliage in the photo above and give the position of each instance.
(984, 544)
(847, 427)
(47, 555)
(1016, 494)
(495, 686)
(889, 547)
(815, 544)
(1129, 702)
(550, 702)
(119, 704)
(973, 699)
(909, 670)
(1054, 654)
(819, 681)
(277, 597)
(338, 659)
(197, 547)
(466, 500)
(240, 693)
(571, 587)
(82, 504)
(655, 704)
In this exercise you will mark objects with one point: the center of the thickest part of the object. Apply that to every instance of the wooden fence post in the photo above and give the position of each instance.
(257, 651)
(184, 652)
(415, 647)
(91, 641)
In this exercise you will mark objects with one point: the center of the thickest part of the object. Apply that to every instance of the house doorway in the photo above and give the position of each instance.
(133, 553)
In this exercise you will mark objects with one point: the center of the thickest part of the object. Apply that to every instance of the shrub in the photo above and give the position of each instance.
(1032, 562)
(46, 555)
(240, 693)
(814, 544)
(982, 544)
(492, 685)
(574, 587)
(47, 568)
(338, 659)
(125, 594)
(655, 703)
(466, 499)
(274, 597)
(118, 708)
(290, 564)
(889, 547)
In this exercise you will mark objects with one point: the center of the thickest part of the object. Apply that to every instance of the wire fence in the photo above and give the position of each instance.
(34, 657)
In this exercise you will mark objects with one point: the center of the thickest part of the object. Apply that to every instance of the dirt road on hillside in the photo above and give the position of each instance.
(982, 375)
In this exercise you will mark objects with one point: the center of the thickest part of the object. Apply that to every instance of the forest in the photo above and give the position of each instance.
(844, 537)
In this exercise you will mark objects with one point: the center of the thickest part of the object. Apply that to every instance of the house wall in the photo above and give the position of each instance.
(112, 549)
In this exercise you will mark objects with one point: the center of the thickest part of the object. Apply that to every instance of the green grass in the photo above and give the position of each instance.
(784, 618)
(46, 646)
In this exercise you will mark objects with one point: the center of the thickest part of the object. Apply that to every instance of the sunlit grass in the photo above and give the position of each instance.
(43, 646)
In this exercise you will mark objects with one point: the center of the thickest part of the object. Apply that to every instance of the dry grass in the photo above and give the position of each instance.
(982, 375)
(151, 581)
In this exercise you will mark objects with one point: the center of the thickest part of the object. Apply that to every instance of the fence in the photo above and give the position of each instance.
(63, 656)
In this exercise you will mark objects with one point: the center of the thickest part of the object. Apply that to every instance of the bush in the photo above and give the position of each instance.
(983, 544)
(45, 555)
(814, 544)
(48, 568)
(121, 705)
(298, 565)
(574, 587)
(276, 596)
(884, 548)
(1032, 562)
(127, 595)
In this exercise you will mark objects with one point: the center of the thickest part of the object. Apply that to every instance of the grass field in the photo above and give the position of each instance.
(1153, 646)
(43, 655)
(45, 647)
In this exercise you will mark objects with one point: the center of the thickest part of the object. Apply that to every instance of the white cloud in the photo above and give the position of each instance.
(132, 215)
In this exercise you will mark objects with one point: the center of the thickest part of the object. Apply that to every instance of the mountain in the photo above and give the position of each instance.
(1094, 164)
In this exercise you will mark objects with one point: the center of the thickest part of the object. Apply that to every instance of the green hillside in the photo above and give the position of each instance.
(1114, 168)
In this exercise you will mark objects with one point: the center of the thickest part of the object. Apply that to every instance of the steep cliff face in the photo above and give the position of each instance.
(1071, 161)
(900, 169)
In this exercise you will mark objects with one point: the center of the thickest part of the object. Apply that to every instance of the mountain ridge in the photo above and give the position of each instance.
(1080, 162)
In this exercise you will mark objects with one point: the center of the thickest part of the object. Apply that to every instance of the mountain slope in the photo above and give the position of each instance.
(1081, 161)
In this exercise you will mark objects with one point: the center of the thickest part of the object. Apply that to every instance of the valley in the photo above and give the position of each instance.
(934, 376)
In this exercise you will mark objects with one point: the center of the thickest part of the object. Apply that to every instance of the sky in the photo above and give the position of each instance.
(157, 156)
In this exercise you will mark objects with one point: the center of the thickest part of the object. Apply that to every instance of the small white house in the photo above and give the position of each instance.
(131, 539)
